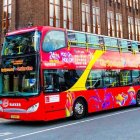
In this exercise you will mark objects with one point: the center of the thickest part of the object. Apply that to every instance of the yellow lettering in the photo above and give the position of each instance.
(19, 49)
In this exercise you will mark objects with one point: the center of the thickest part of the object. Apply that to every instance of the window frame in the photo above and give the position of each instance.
(97, 23)
(55, 5)
(68, 7)
(6, 18)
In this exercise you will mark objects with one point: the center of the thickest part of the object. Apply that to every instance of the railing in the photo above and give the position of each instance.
(101, 46)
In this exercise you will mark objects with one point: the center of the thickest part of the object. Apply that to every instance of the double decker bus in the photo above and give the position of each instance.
(50, 73)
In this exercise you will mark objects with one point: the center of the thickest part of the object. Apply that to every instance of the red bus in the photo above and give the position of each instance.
(49, 73)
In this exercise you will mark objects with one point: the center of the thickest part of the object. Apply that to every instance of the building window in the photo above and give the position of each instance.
(68, 14)
(119, 25)
(131, 28)
(136, 4)
(96, 20)
(110, 19)
(118, 1)
(7, 10)
(137, 27)
(86, 17)
(54, 13)
(129, 3)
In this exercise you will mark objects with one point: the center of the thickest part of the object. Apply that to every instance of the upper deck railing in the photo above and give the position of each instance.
(86, 40)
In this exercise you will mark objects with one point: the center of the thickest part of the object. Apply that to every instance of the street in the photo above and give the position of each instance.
(120, 124)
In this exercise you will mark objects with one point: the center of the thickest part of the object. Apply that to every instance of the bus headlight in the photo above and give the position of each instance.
(1, 109)
(33, 108)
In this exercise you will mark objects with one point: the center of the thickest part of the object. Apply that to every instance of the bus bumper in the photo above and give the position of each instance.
(22, 116)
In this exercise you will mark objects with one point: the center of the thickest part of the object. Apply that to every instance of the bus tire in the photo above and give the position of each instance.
(138, 99)
(79, 108)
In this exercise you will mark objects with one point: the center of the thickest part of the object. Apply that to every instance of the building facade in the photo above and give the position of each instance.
(118, 18)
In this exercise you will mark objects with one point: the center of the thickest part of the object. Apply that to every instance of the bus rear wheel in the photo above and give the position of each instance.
(79, 109)
(138, 98)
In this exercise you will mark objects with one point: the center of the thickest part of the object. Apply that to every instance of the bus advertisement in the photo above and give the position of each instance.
(49, 73)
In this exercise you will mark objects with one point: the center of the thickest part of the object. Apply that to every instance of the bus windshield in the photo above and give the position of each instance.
(24, 43)
(19, 84)
(19, 76)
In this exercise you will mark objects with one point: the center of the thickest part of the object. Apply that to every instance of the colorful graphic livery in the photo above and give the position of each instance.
(49, 73)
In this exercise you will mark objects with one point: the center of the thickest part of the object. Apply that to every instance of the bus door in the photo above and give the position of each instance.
(53, 90)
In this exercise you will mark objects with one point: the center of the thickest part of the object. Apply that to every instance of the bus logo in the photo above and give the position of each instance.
(5, 103)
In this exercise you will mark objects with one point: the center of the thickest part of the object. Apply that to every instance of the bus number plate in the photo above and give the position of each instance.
(15, 116)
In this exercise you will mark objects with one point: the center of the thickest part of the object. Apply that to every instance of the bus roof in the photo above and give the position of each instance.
(28, 29)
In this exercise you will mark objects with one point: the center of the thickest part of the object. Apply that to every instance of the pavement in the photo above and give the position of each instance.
(120, 124)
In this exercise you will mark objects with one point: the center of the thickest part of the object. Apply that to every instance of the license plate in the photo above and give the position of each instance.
(15, 116)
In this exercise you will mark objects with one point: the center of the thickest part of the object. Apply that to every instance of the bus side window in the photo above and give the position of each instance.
(129, 46)
(139, 46)
(114, 44)
(101, 42)
(77, 39)
(107, 43)
(135, 47)
(93, 41)
(94, 79)
(125, 77)
(111, 43)
(110, 79)
(135, 77)
(123, 45)
(72, 38)
(81, 39)
(60, 80)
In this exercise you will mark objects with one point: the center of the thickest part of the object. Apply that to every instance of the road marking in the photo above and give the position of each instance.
(71, 124)
(5, 134)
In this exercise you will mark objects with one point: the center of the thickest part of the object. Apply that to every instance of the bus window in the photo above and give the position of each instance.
(60, 80)
(54, 40)
(123, 45)
(110, 78)
(111, 43)
(139, 46)
(101, 42)
(129, 46)
(94, 79)
(71, 36)
(93, 41)
(77, 39)
(51, 81)
(125, 77)
(81, 39)
(114, 44)
(107, 42)
(135, 77)
(21, 43)
(135, 46)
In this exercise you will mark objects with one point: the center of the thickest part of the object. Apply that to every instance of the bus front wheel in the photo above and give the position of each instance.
(79, 109)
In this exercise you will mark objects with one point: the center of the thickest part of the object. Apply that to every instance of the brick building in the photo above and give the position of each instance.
(119, 18)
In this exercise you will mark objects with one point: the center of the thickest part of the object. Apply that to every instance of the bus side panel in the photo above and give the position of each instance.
(55, 106)
(109, 98)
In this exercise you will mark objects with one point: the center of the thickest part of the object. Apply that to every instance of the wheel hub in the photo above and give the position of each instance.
(79, 108)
